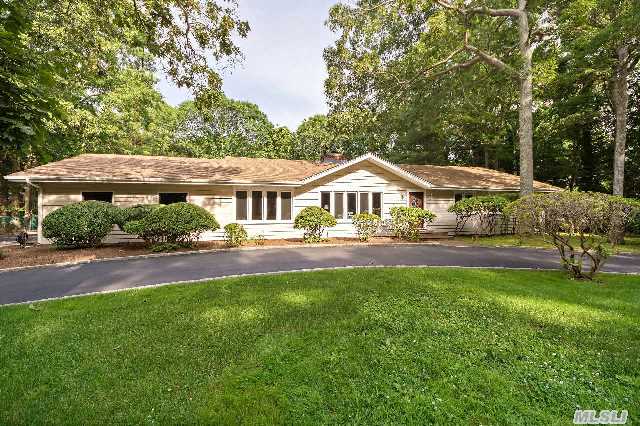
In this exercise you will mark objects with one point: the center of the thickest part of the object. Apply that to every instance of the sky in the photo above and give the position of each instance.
(283, 71)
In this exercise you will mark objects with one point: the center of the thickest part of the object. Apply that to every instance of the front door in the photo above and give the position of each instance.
(416, 199)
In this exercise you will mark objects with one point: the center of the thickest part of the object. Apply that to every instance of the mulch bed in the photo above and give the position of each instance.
(14, 256)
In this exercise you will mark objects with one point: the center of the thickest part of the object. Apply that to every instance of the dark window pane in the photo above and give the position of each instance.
(173, 197)
(107, 197)
(339, 205)
(364, 202)
(272, 203)
(285, 205)
(351, 204)
(241, 205)
(458, 197)
(376, 203)
(325, 201)
(256, 205)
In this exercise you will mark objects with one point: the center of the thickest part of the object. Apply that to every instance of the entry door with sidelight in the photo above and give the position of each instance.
(416, 199)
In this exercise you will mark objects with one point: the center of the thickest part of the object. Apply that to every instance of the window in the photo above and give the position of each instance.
(461, 196)
(241, 205)
(256, 205)
(325, 201)
(364, 202)
(285, 205)
(376, 203)
(107, 197)
(339, 205)
(351, 204)
(272, 205)
(172, 197)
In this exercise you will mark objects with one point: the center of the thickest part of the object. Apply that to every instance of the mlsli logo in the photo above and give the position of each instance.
(605, 417)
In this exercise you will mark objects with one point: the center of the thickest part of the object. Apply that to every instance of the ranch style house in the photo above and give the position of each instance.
(263, 194)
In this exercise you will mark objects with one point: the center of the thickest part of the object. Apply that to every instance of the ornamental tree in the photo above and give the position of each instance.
(577, 223)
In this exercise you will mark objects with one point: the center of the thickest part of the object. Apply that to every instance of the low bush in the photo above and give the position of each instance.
(83, 224)
(406, 222)
(124, 215)
(235, 235)
(178, 223)
(366, 225)
(486, 208)
(314, 220)
(165, 247)
(579, 224)
(259, 239)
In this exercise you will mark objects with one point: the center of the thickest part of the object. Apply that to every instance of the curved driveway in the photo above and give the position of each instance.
(57, 281)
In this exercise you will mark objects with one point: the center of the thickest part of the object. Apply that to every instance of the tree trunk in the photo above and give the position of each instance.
(619, 102)
(27, 207)
(525, 130)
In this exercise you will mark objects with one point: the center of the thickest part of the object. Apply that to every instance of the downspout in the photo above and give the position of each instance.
(29, 183)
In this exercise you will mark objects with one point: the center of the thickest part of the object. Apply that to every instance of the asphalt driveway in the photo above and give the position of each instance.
(56, 281)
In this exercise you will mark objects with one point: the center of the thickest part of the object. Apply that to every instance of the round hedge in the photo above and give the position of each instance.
(313, 220)
(135, 212)
(83, 224)
(180, 223)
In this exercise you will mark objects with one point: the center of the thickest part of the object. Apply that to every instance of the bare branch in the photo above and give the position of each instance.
(492, 60)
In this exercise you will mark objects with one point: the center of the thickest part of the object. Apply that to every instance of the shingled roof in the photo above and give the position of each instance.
(471, 178)
(141, 168)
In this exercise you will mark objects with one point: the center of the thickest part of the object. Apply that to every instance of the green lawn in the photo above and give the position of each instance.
(352, 346)
(631, 243)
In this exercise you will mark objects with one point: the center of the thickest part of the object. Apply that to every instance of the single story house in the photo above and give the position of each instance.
(263, 194)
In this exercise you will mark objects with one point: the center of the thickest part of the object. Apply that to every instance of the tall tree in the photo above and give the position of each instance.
(387, 48)
(602, 36)
(62, 54)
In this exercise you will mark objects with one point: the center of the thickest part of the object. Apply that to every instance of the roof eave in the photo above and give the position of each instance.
(57, 179)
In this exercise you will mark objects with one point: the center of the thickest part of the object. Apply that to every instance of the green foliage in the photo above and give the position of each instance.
(487, 208)
(165, 247)
(314, 220)
(366, 225)
(124, 215)
(406, 222)
(83, 224)
(588, 217)
(178, 223)
(235, 235)
(634, 224)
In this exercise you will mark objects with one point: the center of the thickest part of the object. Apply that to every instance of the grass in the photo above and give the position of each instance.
(631, 243)
(360, 346)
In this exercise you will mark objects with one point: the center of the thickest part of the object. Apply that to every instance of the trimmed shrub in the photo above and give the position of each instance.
(314, 220)
(164, 247)
(579, 224)
(259, 239)
(366, 225)
(178, 223)
(136, 212)
(487, 208)
(406, 222)
(235, 235)
(83, 224)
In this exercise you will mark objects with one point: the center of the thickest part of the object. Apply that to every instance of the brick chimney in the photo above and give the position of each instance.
(334, 157)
